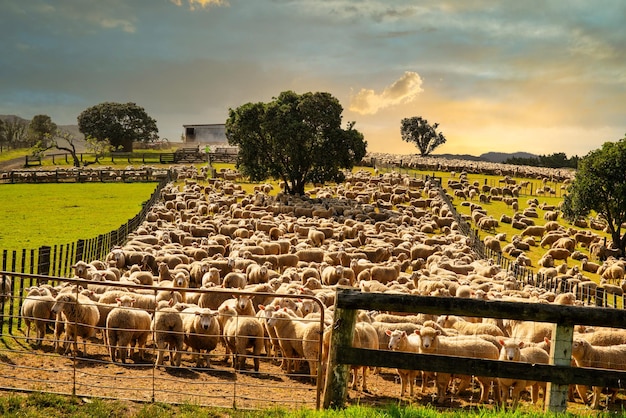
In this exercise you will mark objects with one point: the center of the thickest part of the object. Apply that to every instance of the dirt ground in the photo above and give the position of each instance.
(23, 368)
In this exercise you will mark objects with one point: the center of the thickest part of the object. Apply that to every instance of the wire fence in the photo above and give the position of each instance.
(48, 362)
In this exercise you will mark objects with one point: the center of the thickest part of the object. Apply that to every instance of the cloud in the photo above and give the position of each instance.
(201, 3)
(403, 90)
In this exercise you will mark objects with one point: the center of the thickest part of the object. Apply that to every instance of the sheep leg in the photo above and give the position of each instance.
(595, 397)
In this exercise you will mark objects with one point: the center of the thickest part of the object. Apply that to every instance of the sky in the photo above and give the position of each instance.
(539, 76)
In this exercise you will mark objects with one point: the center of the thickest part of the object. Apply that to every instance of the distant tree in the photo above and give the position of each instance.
(97, 147)
(39, 127)
(422, 134)
(556, 160)
(296, 138)
(119, 123)
(3, 139)
(60, 140)
(600, 186)
(15, 132)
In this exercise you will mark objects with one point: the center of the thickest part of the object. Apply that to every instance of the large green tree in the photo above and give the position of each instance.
(600, 186)
(296, 138)
(422, 134)
(119, 123)
(40, 127)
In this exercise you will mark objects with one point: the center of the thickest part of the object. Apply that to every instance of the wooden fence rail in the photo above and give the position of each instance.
(559, 373)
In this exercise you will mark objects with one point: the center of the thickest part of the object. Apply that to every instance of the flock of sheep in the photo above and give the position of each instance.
(215, 266)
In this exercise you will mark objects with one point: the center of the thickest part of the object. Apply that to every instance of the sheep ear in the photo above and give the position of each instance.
(501, 341)
(417, 332)
(521, 344)
(118, 299)
(388, 332)
(262, 307)
(198, 313)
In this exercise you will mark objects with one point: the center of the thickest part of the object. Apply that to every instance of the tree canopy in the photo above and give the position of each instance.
(600, 186)
(422, 134)
(119, 123)
(296, 138)
(40, 127)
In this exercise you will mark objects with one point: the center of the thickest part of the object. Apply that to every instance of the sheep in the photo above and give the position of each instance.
(37, 309)
(589, 266)
(613, 273)
(535, 231)
(211, 276)
(126, 326)
(331, 275)
(167, 326)
(400, 340)
(587, 355)
(469, 328)
(528, 331)
(316, 237)
(559, 253)
(296, 339)
(201, 333)
(384, 274)
(257, 274)
(241, 332)
(513, 350)
(365, 336)
(431, 342)
(79, 316)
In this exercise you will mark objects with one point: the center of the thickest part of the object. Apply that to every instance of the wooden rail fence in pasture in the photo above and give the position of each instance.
(559, 373)
(33, 365)
(83, 175)
(57, 259)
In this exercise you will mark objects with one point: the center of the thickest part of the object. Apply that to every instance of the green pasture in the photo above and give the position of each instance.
(45, 405)
(48, 214)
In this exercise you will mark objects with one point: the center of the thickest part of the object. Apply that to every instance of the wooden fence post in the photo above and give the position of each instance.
(560, 355)
(338, 374)
(43, 263)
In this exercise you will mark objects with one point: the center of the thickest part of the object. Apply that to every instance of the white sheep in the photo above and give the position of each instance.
(296, 339)
(202, 333)
(432, 342)
(514, 350)
(241, 333)
(469, 328)
(400, 340)
(603, 357)
(127, 326)
(167, 326)
(37, 309)
(79, 316)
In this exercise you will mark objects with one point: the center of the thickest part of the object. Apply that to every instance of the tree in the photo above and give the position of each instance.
(39, 127)
(15, 130)
(61, 140)
(97, 147)
(3, 137)
(296, 138)
(119, 123)
(600, 186)
(424, 135)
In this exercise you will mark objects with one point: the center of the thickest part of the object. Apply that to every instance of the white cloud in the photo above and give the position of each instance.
(201, 3)
(403, 90)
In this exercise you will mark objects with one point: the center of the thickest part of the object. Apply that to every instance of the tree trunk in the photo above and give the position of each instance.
(127, 145)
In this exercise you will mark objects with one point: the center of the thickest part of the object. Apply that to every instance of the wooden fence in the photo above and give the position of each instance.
(559, 373)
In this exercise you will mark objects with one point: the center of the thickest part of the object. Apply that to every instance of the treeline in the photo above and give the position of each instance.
(556, 160)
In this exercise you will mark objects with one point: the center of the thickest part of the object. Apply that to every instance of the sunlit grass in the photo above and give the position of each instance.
(48, 214)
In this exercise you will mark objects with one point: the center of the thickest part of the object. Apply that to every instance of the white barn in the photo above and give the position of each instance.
(205, 134)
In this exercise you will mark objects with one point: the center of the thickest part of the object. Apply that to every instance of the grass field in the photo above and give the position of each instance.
(37, 214)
